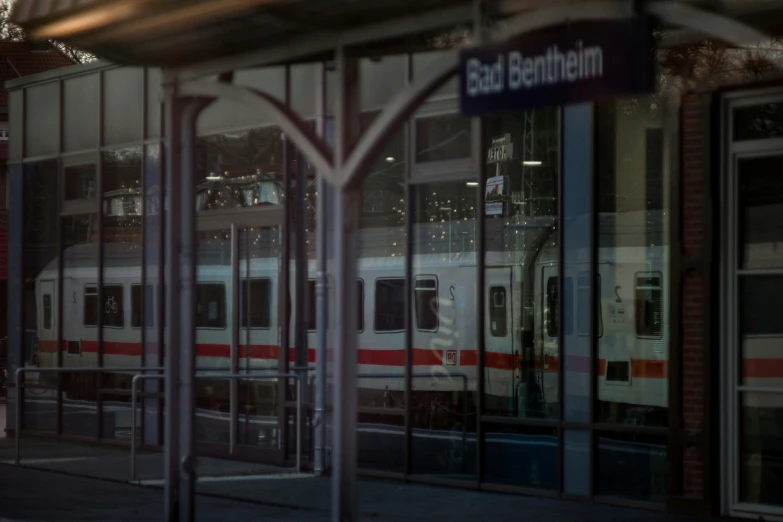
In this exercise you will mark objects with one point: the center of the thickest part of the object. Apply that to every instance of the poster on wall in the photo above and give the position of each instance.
(493, 198)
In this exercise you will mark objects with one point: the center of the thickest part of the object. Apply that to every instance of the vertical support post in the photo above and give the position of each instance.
(236, 303)
(187, 283)
(321, 297)
(477, 131)
(172, 206)
(300, 341)
(346, 252)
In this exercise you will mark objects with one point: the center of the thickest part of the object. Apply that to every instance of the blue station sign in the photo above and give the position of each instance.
(558, 66)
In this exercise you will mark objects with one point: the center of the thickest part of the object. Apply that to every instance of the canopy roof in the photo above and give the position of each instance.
(182, 33)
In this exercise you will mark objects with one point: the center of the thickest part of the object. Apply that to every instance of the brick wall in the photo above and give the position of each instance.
(694, 177)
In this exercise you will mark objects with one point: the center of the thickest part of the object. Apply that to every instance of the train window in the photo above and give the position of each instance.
(90, 306)
(136, 310)
(74, 347)
(618, 371)
(256, 297)
(210, 305)
(497, 311)
(426, 303)
(310, 310)
(389, 305)
(649, 305)
(113, 309)
(47, 311)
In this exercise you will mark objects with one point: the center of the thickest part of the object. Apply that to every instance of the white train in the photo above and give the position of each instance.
(522, 324)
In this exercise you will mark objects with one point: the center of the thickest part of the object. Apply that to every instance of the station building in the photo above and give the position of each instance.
(603, 330)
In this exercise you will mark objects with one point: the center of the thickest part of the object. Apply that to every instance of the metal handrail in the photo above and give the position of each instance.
(19, 385)
(216, 376)
(462, 376)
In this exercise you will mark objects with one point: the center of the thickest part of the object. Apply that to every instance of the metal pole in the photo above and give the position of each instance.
(173, 197)
(300, 389)
(319, 424)
(187, 303)
(235, 301)
(18, 406)
(346, 250)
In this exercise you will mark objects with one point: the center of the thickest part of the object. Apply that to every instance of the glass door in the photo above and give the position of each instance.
(237, 331)
(756, 339)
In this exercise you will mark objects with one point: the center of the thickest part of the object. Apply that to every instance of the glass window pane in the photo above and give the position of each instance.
(240, 169)
(256, 300)
(632, 466)
(123, 111)
(760, 212)
(426, 303)
(80, 182)
(522, 157)
(389, 305)
(113, 309)
(632, 315)
(761, 299)
(521, 456)
(42, 119)
(444, 355)
(81, 98)
(441, 138)
(80, 316)
(758, 122)
(577, 474)
(761, 440)
(210, 305)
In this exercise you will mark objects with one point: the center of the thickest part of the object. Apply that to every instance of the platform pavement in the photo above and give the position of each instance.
(69, 482)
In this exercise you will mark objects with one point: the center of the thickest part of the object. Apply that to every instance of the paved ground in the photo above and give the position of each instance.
(65, 481)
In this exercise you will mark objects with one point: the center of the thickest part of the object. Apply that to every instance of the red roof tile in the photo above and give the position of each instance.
(17, 60)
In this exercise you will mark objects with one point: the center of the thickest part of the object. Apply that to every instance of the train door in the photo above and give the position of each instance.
(502, 360)
(238, 331)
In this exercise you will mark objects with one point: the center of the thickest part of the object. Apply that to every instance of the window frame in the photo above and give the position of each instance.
(143, 311)
(492, 306)
(247, 281)
(85, 287)
(222, 285)
(426, 277)
(375, 305)
(659, 275)
(121, 303)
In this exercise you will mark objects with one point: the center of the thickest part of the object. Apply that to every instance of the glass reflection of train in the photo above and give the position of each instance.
(522, 326)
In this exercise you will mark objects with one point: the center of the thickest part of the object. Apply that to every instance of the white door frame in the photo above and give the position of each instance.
(731, 388)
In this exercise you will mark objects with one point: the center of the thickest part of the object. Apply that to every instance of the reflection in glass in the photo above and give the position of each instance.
(761, 299)
(442, 138)
(632, 466)
(521, 296)
(122, 257)
(632, 315)
(80, 336)
(758, 122)
(381, 337)
(444, 353)
(761, 440)
(760, 200)
(40, 292)
(521, 456)
(239, 169)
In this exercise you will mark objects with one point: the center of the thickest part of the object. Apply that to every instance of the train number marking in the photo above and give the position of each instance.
(617, 294)
(450, 357)
(452, 292)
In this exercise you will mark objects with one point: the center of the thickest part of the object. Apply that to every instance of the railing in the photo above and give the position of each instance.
(232, 435)
(20, 386)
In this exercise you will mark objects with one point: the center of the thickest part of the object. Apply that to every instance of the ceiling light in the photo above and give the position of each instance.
(531, 163)
(472, 183)
(390, 159)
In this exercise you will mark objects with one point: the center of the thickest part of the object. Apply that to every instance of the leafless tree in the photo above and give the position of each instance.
(12, 32)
